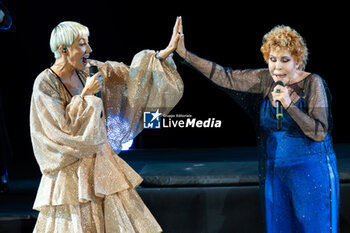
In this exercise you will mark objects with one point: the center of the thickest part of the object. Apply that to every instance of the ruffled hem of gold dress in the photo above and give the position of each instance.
(105, 200)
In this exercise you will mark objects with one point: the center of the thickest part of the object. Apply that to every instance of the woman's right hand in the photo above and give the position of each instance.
(181, 50)
(92, 85)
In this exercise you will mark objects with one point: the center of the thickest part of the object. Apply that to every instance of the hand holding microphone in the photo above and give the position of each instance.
(282, 100)
(93, 83)
(93, 70)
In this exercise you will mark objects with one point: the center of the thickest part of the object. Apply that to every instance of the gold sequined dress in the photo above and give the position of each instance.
(85, 186)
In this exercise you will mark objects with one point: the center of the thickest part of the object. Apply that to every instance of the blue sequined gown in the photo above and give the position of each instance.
(298, 173)
(301, 184)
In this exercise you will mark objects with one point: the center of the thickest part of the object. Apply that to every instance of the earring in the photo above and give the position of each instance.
(64, 50)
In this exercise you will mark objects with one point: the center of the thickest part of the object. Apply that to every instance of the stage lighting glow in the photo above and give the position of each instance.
(127, 145)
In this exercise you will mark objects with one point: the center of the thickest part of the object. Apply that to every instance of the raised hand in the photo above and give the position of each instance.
(181, 50)
(176, 35)
(173, 41)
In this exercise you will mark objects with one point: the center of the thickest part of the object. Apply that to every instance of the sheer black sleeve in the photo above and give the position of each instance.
(316, 122)
(246, 87)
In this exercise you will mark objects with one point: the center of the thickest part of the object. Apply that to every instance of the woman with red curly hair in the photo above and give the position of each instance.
(298, 173)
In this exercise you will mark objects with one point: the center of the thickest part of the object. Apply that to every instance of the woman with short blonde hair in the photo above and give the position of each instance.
(77, 133)
(64, 34)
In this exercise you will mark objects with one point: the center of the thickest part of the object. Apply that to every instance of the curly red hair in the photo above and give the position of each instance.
(284, 37)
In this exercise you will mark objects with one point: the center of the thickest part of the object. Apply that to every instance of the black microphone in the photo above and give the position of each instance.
(279, 108)
(93, 70)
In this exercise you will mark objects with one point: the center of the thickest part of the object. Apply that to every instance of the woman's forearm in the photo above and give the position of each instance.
(202, 65)
(163, 54)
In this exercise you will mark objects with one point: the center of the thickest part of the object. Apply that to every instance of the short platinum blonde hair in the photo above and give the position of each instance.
(64, 34)
(285, 37)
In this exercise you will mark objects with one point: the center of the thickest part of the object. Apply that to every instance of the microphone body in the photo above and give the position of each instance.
(279, 108)
(93, 70)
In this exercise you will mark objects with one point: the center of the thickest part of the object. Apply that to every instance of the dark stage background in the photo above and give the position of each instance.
(229, 34)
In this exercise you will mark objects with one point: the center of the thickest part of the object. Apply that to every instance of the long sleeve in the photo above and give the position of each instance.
(148, 84)
(70, 144)
(246, 87)
(153, 84)
(63, 130)
(238, 80)
(315, 122)
(249, 80)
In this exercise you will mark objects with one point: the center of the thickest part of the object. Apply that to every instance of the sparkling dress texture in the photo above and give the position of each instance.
(85, 186)
(299, 182)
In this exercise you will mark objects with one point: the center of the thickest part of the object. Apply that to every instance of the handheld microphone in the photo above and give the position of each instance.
(93, 70)
(279, 108)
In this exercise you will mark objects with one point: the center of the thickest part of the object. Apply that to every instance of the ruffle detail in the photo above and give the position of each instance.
(117, 213)
(89, 179)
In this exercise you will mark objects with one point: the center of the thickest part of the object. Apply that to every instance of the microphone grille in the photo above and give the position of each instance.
(280, 83)
(93, 70)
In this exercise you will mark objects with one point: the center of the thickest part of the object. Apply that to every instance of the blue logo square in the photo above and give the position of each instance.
(151, 120)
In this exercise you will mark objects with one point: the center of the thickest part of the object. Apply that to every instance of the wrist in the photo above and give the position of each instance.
(158, 56)
(84, 92)
(169, 49)
(163, 54)
(182, 53)
(290, 104)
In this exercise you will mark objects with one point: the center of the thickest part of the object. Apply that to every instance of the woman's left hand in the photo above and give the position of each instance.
(282, 96)
(173, 41)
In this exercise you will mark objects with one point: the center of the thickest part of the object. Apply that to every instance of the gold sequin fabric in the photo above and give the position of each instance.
(85, 185)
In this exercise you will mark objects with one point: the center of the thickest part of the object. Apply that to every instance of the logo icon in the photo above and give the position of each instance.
(151, 120)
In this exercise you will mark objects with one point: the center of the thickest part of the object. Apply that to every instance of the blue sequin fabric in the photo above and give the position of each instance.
(301, 183)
